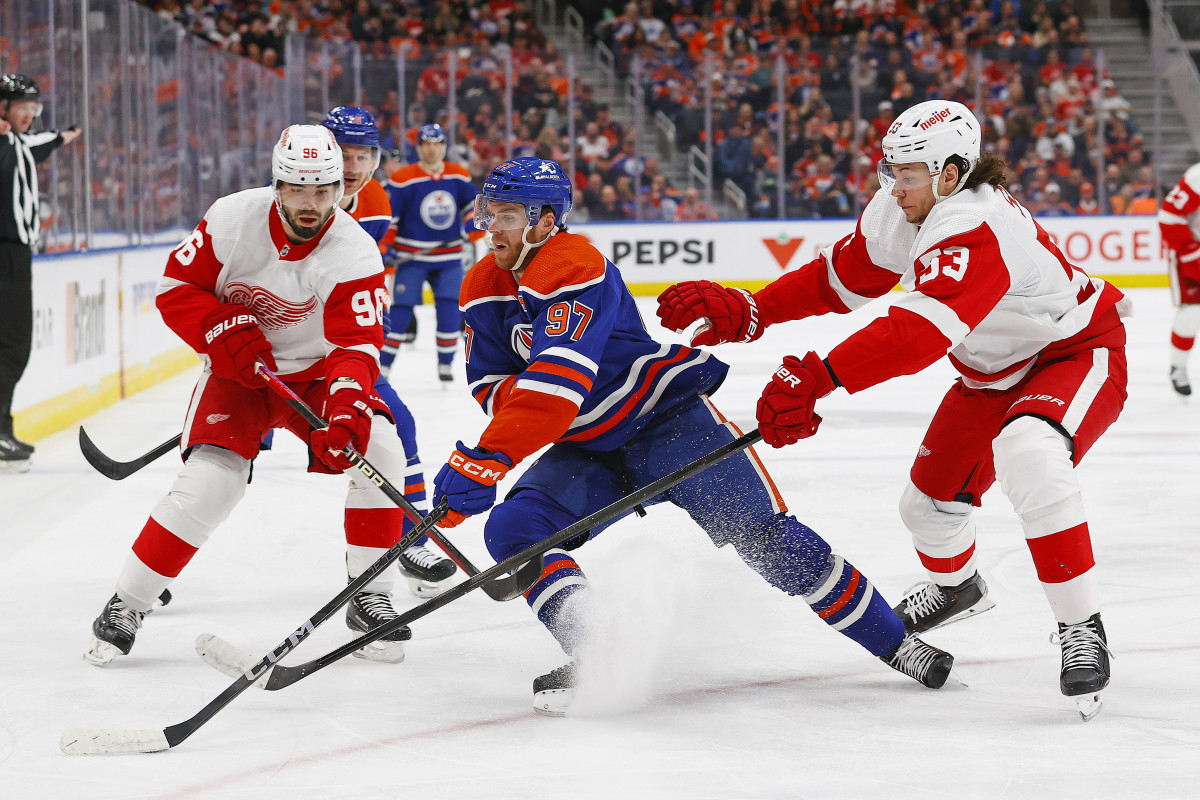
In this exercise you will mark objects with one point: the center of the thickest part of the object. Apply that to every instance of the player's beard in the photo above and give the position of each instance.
(304, 232)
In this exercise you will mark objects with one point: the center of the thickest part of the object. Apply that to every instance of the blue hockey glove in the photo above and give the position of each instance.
(468, 482)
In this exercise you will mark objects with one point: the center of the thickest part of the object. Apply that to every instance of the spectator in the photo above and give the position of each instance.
(610, 208)
(1052, 203)
(1087, 200)
(693, 208)
(593, 144)
(733, 160)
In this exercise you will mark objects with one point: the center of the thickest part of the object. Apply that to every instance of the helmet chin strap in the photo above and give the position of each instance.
(528, 245)
(962, 181)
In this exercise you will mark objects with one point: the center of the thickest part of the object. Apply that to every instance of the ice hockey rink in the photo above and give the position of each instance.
(706, 682)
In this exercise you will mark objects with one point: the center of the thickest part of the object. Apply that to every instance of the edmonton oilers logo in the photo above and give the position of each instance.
(438, 210)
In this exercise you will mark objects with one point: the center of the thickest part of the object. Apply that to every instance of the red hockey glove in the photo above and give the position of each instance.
(236, 344)
(732, 314)
(348, 409)
(785, 410)
(468, 482)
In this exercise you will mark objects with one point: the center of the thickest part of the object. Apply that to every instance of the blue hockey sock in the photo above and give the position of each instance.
(849, 604)
(449, 320)
(561, 580)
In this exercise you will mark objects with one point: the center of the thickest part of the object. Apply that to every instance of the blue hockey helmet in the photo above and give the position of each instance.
(352, 126)
(431, 133)
(534, 183)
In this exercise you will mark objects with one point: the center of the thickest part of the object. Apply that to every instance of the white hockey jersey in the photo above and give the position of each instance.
(319, 300)
(1179, 217)
(985, 285)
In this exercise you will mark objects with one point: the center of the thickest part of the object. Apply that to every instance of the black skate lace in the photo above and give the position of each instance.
(124, 618)
(914, 657)
(1081, 646)
(924, 599)
(377, 605)
(422, 556)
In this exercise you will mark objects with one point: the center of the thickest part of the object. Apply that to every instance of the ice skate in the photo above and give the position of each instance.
(446, 373)
(114, 632)
(410, 333)
(1085, 663)
(554, 692)
(1180, 382)
(427, 572)
(369, 610)
(921, 662)
(927, 605)
(15, 455)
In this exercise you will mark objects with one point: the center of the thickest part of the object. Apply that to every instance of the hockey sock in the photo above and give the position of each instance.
(414, 492)
(849, 604)
(1184, 327)
(398, 318)
(449, 323)
(554, 602)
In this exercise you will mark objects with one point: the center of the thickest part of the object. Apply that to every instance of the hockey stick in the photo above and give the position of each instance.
(120, 470)
(501, 589)
(99, 741)
(413, 255)
(281, 676)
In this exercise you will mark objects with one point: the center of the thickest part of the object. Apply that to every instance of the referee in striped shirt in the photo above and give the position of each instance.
(20, 103)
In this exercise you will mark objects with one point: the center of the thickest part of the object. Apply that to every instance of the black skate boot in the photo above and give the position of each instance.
(14, 454)
(410, 333)
(927, 605)
(426, 571)
(1085, 667)
(115, 630)
(920, 661)
(1179, 381)
(368, 610)
(554, 692)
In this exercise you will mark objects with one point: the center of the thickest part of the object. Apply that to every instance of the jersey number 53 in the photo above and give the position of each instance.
(948, 261)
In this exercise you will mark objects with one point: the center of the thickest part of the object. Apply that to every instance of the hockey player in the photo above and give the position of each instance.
(1039, 345)
(430, 200)
(366, 201)
(278, 275)
(557, 354)
(1179, 222)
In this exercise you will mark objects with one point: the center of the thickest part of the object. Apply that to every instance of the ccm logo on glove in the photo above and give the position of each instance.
(481, 472)
(228, 325)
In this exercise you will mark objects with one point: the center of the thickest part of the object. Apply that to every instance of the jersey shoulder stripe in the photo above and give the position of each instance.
(372, 203)
(486, 282)
(567, 262)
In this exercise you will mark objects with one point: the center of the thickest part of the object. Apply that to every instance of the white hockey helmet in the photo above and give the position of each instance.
(307, 155)
(929, 133)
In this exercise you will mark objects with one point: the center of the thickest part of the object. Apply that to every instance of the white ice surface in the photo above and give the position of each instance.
(713, 685)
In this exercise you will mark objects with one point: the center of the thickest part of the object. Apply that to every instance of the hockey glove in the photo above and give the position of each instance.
(468, 482)
(236, 344)
(348, 409)
(732, 314)
(785, 410)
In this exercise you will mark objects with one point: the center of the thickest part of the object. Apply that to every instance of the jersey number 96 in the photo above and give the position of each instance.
(369, 308)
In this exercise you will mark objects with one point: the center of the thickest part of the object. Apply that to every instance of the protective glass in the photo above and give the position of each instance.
(319, 197)
(499, 216)
(904, 177)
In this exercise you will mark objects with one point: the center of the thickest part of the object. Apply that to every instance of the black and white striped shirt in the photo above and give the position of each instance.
(19, 155)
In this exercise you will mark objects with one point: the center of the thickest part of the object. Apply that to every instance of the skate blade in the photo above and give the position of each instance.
(1089, 705)
(424, 589)
(101, 653)
(383, 652)
(984, 604)
(15, 467)
(553, 702)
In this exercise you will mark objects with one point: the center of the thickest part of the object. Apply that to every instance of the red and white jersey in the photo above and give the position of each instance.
(317, 300)
(985, 285)
(1179, 217)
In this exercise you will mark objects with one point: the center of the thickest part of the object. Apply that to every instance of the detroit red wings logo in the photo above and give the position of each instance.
(273, 312)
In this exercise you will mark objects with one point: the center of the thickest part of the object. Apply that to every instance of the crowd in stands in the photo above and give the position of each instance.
(1024, 66)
